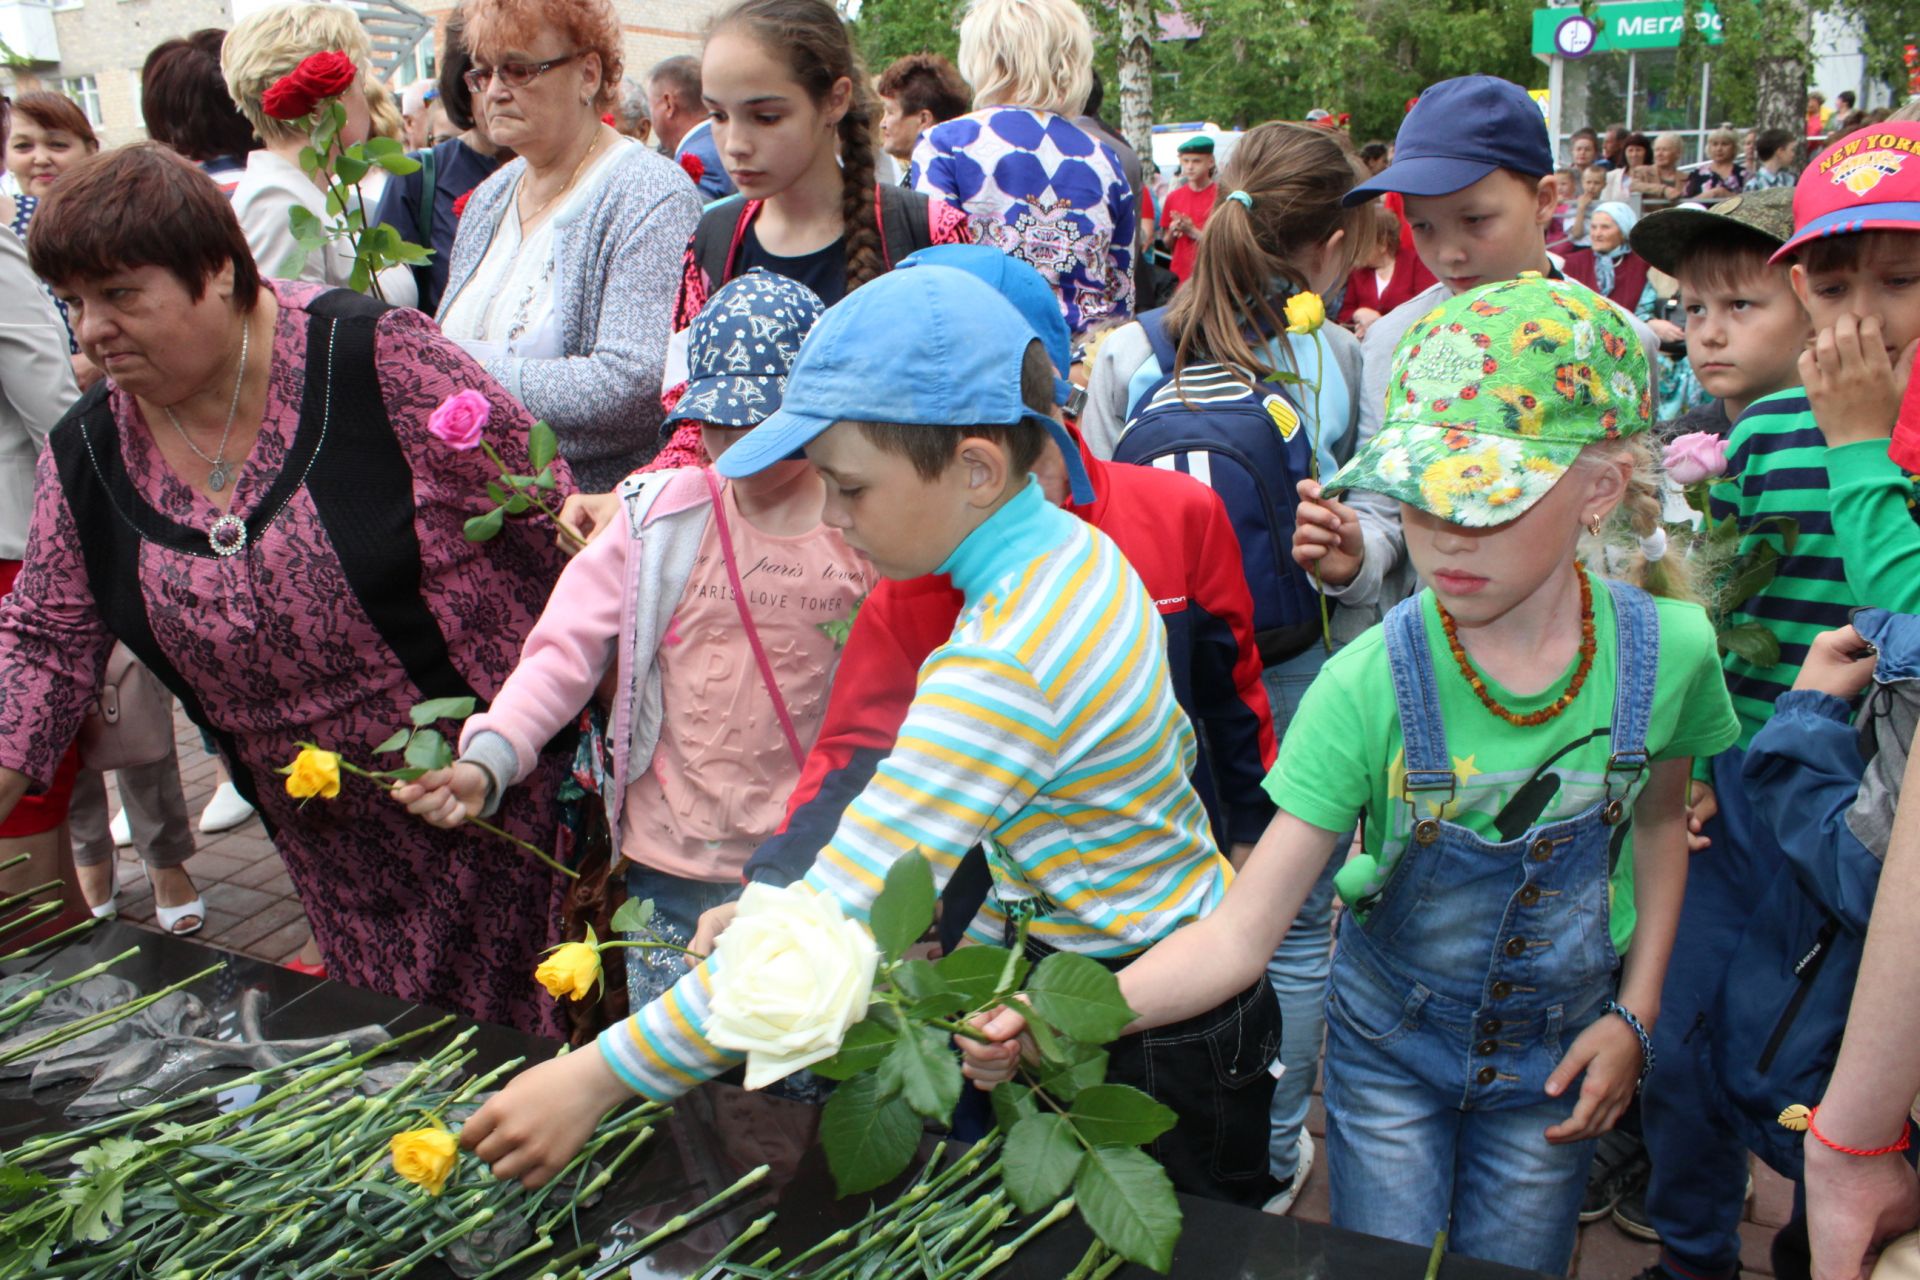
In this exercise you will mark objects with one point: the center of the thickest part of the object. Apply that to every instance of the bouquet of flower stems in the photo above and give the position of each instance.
(320, 1174)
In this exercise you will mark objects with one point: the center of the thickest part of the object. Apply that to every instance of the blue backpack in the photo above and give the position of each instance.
(1251, 448)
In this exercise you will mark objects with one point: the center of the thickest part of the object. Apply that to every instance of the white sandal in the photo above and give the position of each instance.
(170, 918)
(111, 907)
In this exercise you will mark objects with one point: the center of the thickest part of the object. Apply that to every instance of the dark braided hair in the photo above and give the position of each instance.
(810, 34)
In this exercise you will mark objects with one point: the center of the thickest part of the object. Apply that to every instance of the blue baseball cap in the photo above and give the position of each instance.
(1459, 132)
(741, 347)
(932, 346)
(1018, 283)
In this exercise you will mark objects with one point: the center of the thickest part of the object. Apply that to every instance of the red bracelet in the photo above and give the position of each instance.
(1906, 1135)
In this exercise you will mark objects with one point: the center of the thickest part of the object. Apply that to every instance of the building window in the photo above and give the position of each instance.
(84, 90)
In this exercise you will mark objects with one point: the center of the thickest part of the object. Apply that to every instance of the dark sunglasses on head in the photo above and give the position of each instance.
(516, 75)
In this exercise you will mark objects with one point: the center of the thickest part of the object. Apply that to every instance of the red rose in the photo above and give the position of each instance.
(460, 205)
(318, 77)
(693, 165)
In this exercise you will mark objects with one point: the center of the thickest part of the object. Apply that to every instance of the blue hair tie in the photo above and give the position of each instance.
(1242, 199)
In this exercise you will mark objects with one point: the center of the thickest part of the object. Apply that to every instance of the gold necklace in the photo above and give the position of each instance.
(527, 219)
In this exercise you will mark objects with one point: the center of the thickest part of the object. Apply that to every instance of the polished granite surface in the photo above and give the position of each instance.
(716, 1135)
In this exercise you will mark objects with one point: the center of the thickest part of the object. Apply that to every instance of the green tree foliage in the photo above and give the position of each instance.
(887, 29)
(1760, 66)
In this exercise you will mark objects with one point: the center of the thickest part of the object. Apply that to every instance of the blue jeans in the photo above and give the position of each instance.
(1406, 1160)
(1697, 1192)
(677, 906)
(1298, 970)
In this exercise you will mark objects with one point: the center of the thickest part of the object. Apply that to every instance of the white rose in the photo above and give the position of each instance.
(792, 974)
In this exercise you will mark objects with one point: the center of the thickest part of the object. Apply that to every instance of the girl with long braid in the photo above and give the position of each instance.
(793, 119)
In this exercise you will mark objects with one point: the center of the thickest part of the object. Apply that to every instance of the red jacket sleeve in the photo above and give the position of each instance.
(1230, 700)
(898, 625)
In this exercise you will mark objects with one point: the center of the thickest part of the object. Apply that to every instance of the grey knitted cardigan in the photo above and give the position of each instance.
(619, 261)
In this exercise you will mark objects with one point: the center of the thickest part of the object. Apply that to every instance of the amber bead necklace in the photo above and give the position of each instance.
(1560, 703)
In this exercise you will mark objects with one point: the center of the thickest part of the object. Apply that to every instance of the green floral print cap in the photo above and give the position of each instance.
(1493, 395)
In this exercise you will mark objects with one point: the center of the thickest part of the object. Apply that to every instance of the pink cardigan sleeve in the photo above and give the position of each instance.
(570, 649)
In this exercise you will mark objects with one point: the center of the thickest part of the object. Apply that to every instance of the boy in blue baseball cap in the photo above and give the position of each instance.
(1475, 168)
(1045, 727)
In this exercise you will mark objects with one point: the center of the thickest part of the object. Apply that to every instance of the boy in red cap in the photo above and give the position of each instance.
(1820, 456)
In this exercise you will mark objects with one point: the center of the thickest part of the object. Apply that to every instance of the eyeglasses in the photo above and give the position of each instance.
(517, 75)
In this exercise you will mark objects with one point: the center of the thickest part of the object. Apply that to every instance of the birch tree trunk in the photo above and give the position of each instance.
(1136, 76)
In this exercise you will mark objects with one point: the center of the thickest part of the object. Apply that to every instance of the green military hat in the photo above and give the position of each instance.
(1198, 145)
(1762, 218)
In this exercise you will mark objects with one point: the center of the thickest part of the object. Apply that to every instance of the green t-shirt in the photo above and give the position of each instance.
(1343, 757)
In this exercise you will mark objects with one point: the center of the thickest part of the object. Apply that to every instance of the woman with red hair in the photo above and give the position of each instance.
(567, 259)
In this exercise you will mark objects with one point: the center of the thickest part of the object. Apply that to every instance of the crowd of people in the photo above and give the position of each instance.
(1182, 564)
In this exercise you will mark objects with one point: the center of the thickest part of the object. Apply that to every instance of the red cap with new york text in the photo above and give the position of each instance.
(1867, 181)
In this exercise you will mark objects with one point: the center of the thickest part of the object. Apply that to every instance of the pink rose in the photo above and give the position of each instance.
(1696, 456)
(460, 419)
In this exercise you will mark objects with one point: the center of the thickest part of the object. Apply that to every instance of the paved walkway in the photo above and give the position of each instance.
(251, 908)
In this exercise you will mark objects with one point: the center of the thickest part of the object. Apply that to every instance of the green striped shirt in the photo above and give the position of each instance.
(1859, 540)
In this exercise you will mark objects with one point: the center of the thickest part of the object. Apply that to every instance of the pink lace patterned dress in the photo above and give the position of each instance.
(338, 592)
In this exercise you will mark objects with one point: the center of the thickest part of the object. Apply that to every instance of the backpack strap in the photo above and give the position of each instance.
(1154, 325)
(904, 220)
(423, 226)
(716, 240)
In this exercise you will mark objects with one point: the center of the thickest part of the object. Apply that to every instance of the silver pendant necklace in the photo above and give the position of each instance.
(222, 469)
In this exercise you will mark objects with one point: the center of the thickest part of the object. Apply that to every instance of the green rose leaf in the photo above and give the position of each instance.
(292, 265)
(350, 168)
(481, 528)
(973, 973)
(1064, 1080)
(397, 741)
(399, 166)
(542, 445)
(309, 161)
(1041, 1159)
(497, 493)
(1127, 1198)
(360, 279)
(904, 909)
(1751, 575)
(303, 221)
(377, 147)
(922, 1068)
(1012, 1103)
(425, 713)
(865, 1047)
(869, 1139)
(1119, 1115)
(1080, 997)
(518, 504)
(405, 775)
(429, 750)
(1752, 641)
(546, 479)
(412, 254)
(634, 915)
(917, 979)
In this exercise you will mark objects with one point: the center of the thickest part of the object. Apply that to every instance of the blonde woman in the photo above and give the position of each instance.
(1662, 179)
(258, 52)
(1722, 175)
(1031, 181)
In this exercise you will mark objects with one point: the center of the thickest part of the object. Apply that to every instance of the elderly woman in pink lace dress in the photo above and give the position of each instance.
(251, 501)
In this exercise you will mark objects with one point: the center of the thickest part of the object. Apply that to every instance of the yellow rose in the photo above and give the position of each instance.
(313, 773)
(1305, 313)
(424, 1157)
(791, 974)
(572, 970)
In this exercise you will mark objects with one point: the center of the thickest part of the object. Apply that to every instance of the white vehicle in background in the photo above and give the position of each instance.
(1168, 137)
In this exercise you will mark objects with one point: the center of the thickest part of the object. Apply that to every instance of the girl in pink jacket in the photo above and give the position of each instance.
(721, 606)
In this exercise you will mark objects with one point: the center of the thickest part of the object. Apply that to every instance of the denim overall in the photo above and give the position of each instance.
(1472, 974)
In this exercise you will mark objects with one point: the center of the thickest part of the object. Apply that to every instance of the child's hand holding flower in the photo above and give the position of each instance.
(445, 797)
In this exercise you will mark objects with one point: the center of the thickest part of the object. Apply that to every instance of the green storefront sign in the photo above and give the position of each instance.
(1642, 24)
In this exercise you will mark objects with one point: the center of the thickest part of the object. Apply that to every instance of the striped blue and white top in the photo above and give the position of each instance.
(1046, 727)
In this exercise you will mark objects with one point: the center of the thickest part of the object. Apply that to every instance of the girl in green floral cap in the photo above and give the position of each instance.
(1517, 738)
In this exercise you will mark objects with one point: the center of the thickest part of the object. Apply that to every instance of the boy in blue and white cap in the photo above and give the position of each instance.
(1046, 727)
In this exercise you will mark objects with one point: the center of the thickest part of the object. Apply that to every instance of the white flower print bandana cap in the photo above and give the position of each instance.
(1495, 393)
(741, 347)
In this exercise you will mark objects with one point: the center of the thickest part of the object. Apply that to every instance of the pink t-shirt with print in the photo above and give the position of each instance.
(723, 770)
